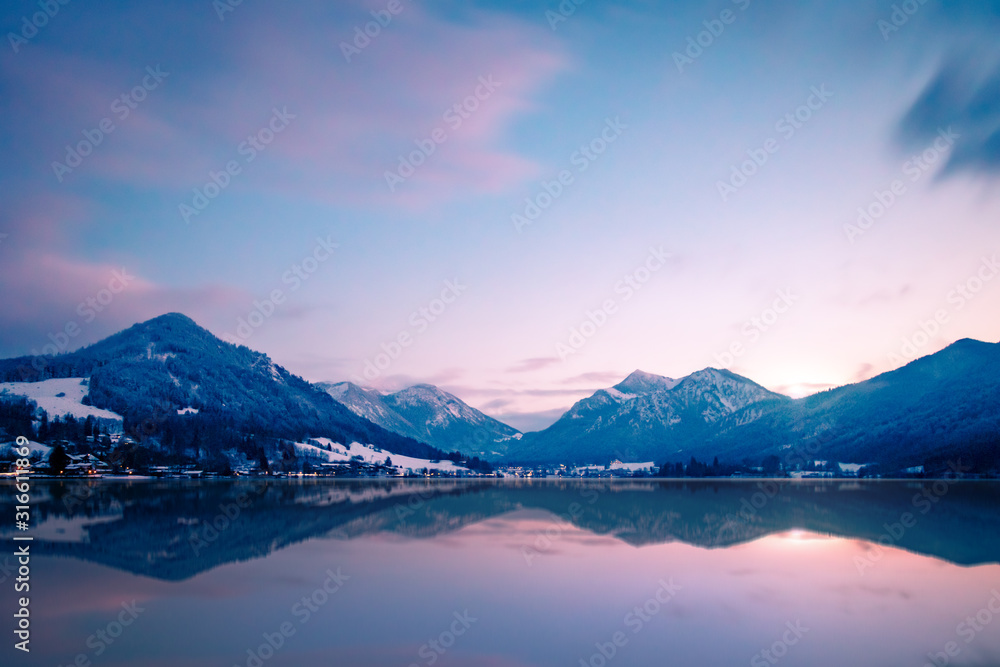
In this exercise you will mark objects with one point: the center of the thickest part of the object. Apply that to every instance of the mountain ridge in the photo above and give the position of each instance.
(170, 372)
(153, 369)
(943, 404)
(429, 414)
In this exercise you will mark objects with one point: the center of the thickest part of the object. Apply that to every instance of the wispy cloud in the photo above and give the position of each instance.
(601, 378)
(963, 95)
(532, 364)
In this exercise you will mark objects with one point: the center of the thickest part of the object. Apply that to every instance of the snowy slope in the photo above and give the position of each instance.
(646, 416)
(428, 414)
(33, 447)
(339, 453)
(59, 397)
(370, 404)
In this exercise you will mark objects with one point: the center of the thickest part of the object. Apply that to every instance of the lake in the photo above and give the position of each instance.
(509, 573)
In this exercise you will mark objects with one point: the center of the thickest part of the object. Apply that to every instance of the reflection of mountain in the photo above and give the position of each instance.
(146, 528)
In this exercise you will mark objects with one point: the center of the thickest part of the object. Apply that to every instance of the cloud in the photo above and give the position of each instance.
(964, 95)
(602, 378)
(71, 303)
(496, 404)
(532, 364)
(398, 381)
(352, 120)
(863, 373)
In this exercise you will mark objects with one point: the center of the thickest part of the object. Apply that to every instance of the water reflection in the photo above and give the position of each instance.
(373, 573)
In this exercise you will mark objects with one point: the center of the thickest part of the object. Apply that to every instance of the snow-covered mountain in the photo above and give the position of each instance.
(646, 417)
(429, 414)
(937, 409)
(176, 379)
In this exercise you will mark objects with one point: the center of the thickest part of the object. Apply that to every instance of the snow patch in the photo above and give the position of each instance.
(618, 465)
(33, 448)
(59, 397)
(368, 454)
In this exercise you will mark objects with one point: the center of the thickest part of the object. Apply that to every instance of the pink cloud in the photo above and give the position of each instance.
(95, 299)
(352, 120)
(351, 127)
(532, 364)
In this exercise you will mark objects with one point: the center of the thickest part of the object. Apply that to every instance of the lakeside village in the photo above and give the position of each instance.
(96, 452)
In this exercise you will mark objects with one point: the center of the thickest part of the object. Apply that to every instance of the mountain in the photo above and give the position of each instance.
(177, 385)
(647, 417)
(153, 372)
(426, 413)
(941, 407)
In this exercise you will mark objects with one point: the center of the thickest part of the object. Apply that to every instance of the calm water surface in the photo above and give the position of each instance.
(510, 574)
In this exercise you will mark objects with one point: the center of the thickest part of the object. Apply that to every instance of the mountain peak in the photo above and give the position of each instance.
(423, 386)
(171, 318)
(641, 382)
(709, 374)
(338, 389)
(169, 323)
(970, 344)
(429, 414)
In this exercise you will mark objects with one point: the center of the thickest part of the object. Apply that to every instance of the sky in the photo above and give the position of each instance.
(520, 202)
